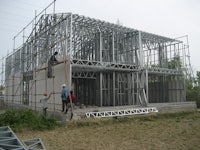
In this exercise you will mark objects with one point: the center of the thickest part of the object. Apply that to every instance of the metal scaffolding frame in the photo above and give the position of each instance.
(8, 140)
(110, 65)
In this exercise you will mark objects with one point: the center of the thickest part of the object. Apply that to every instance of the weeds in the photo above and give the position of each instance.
(20, 119)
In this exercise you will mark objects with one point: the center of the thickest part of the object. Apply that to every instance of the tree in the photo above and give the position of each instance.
(2, 87)
(175, 63)
(193, 92)
(198, 78)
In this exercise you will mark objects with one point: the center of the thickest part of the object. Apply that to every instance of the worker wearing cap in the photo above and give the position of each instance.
(44, 100)
(64, 95)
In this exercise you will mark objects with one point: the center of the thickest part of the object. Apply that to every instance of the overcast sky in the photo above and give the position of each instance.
(171, 18)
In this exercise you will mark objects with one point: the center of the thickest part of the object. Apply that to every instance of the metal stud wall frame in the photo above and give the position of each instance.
(118, 61)
(8, 140)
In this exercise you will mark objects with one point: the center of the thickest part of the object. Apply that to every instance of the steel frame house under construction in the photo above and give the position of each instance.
(105, 64)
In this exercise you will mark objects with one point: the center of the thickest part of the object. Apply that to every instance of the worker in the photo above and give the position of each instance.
(72, 102)
(51, 62)
(44, 102)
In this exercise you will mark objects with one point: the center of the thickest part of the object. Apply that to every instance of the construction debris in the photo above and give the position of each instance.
(9, 141)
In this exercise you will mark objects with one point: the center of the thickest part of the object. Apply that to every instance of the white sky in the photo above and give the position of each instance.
(170, 18)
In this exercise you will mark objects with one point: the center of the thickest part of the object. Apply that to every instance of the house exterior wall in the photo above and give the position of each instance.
(170, 91)
(13, 88)
(38, 85)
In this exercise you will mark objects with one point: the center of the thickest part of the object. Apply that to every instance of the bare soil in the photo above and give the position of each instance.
(146, 132)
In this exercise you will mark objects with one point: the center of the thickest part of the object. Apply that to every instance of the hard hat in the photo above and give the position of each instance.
(63, 85)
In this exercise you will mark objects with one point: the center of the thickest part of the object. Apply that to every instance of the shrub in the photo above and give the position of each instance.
(19, 119)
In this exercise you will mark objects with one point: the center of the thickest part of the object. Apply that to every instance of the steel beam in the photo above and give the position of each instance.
(120, 113)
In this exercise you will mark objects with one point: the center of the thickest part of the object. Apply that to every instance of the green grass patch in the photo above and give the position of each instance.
(25, 119)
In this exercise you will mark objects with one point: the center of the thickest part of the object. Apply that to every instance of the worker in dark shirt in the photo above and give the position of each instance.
(73, 101)
(51, 62)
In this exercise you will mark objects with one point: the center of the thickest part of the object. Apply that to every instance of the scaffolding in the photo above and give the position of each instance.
(8, 140)
(105, 64)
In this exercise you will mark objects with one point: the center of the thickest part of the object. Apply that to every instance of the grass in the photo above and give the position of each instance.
(25, 119)
(146, 132)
